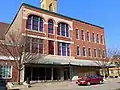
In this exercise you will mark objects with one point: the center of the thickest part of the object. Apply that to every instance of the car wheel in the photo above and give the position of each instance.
(78, 84)
(88, 83)
(101, 82)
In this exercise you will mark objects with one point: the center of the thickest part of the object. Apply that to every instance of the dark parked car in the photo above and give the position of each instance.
(88, 80)
(3, 84)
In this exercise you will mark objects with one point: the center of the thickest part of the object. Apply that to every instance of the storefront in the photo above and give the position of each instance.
(47, 72)
(51, 68)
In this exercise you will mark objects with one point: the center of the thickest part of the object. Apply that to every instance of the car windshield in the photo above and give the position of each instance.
(94, 76)
(84, 77)
(90, 76)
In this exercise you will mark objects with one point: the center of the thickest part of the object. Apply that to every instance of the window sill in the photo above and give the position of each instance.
(90, 56)
(51, 34)
(63, 36)
(93, 42)
(88, 41)
(83, 40)
(35, 31)
(84, 56)
(51, 54)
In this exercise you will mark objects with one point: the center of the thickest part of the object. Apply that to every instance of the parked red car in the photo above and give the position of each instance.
(88, 80)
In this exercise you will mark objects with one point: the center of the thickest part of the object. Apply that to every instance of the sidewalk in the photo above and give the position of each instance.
(71, 85)
(51, 85)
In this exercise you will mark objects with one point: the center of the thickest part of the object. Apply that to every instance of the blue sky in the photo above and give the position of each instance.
(105, 13)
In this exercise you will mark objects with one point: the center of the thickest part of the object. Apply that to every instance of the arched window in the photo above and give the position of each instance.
(29, 22)
(50, 7)
(41, 25)
(35, 23)
(63, 29)
(50, 26)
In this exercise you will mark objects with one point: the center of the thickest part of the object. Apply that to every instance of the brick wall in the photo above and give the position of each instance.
(76, 24)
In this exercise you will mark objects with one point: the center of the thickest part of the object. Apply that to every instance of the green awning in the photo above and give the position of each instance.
(61, 60)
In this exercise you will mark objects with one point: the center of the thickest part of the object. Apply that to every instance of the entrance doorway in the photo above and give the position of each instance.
(66, 74)
(56, 73)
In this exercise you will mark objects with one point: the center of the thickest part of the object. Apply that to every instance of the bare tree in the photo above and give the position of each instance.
(15, 47)
(116, 58)
(105, 61)
(102, 64)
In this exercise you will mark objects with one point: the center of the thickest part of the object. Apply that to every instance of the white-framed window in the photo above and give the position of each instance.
(50, 26)
(88, 36)
(5, 71)
(93, 37)
(101, 39)
(82, 35)
(84, 51)
(99, 53)
(77, 33)
(35, 23)
(95, 53)
(89, 51)
(63, 30)
(63, 49)
(97, 38)
(78, 51)
(35, 45)
(103, 53)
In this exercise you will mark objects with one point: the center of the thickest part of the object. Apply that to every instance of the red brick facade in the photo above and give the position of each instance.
(73, 25)
(86, 27)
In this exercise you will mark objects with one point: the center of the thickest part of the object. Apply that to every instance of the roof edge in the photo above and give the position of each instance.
(14, 17)
(25, 4)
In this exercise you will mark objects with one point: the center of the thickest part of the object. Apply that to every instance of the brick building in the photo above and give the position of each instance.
(69, 46)
(7, 70)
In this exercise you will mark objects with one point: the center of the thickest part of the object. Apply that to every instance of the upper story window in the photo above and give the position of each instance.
(77, 34)
(51, 47)
(63, 29)
(101, 39)
(35, 23)
(34, 45)
(84, 51)
(93, 37)
(95, 53)
(103, 54)
(89, 51)
(63, 49)
(78, 50)
(97, 38)
(5, 71)
(88, 36)
(99, 53)
(82, 34)
(50, 26)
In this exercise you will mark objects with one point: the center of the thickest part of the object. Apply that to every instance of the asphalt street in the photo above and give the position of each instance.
(110, 84)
